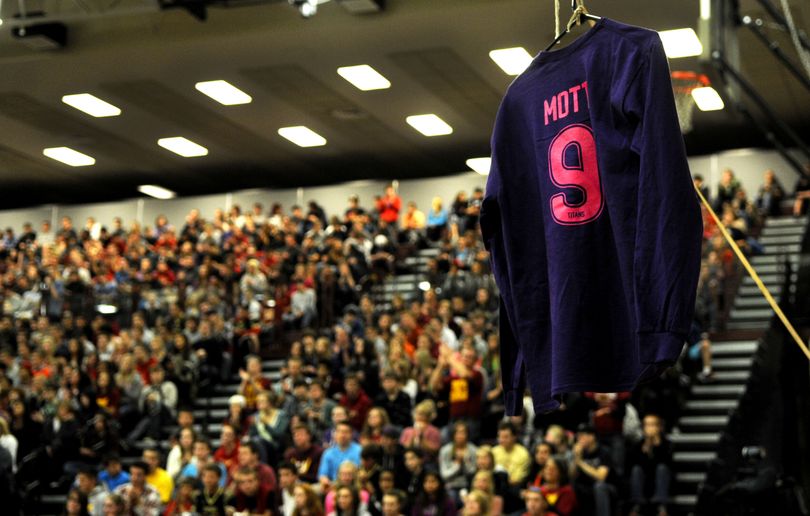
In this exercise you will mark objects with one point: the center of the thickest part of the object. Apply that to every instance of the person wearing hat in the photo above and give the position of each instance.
(592, 467)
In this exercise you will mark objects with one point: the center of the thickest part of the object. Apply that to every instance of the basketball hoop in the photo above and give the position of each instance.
(683, 82)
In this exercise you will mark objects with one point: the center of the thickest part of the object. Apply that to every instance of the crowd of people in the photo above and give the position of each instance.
(109, 335)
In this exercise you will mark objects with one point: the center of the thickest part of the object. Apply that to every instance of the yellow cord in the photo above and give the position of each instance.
(765, 292)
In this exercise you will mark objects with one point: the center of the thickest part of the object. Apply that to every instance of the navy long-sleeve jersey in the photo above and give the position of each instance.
(591, 220)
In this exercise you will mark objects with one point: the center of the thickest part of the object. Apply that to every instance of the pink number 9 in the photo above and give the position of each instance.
(572, 164)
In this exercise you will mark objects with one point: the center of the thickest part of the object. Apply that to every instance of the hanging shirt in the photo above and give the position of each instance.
(590, 217)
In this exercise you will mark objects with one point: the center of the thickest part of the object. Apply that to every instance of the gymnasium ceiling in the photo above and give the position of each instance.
(434, 52)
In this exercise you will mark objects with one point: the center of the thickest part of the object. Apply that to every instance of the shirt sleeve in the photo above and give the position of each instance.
(491, 222)
(669, 226)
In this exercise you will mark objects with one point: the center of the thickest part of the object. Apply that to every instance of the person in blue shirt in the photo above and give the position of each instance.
(112, 475)
(202, 457)
(343, 450)
(436, 220)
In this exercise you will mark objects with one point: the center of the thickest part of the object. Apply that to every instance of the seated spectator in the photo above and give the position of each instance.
(392, 503)
(76, 503)
(112, 476)
(202, 458)
(156, 476)
(343, 450)
(183, 502)
(726, 190)
(393, 457)
(317, 410)
(285, 494)
(556, 490)
(238, 417)
(650, 464)
(771, 193)
(249, 496)
(477, 503)
(376, 420)
(415, 466)
(535, 503)
(228, 451)
(423, 434)
(249, 459)
(607, 414)
(270, 425)
(181, 453)
(115, 505)
(253, 383)
(591, 470)
(436, 220)
(457, 460)
(304, 454)
(307, 502)
(356, 402)
(394, 401)
(433, 499)
(510, 455)
(802, 193)
(95, 494)
(542, 451)
(211, 498)
(484, 481)
(347, 477)
(139, 497)
(303, 306)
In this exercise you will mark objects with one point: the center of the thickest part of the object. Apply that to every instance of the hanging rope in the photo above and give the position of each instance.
(804, 55)
(753, 273)
(556, 19)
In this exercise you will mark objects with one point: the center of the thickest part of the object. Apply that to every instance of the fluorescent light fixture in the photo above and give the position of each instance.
(224, 92)
(91, 105)
(104, 309)
(480, 165)
(364, 77)
(429, 125)
(302, 136)
(158, 192)
(705, 9)
(183, 147)
(707, 99)
(69, 156)
(424, 286)
(512, 60)
(681, 43)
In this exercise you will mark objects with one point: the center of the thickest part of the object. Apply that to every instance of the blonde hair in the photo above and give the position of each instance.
(490, 480)
(484, 500)
(427, 408)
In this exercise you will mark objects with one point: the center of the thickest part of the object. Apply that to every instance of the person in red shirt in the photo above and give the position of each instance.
(389, 205)
(556, 490)
(248, 457)
(356, 402)
(143, 362)
(461, 383)
(183, 501)
(228, 451)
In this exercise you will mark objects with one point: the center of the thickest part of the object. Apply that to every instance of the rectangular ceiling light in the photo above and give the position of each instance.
(513, 61)
(224, 92)
(429, 125)
(707, 99)
(302, 136)
(183, 147)
(364, 77)
(91, 105)
(158, 192)
(69, 156)
(681, 43)
(480, 165)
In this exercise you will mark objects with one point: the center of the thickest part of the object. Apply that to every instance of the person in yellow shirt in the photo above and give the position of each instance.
(511, 455)
(158, 477)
